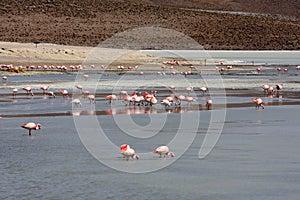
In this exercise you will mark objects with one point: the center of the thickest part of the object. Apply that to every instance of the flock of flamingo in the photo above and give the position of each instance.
(138, 98)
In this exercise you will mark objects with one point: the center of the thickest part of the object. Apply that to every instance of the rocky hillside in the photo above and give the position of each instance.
(89, 22)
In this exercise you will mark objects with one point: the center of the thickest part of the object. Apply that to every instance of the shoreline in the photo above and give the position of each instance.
(28, 54)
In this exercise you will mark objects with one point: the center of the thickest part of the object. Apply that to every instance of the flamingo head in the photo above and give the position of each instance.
(38, 126)
(124, 147)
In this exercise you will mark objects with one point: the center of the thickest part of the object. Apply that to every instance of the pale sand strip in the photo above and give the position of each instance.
(43, 53)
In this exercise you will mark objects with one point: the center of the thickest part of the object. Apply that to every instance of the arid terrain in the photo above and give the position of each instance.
(89, 22)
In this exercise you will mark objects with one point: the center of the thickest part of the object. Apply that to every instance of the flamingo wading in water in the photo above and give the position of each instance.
(31, 126)
(128, 152)
(258, 102)
(163, 150)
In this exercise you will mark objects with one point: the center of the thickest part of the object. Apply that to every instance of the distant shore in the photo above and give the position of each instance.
(43, 54)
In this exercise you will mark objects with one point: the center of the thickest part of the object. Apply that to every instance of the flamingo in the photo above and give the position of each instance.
(163, 150)
(65, 93)
(14, 91)
(208, 104)
(298, 67)
(28, 90)
(167, 101)
(189, 99)
(128, 152)
(265, 87)
(51, 94)
(271, 90)
(126, 99)
(258, 102)
(279, 69)
(76, 102)
(79, 87)
(85, 93)
(123, 93)
(279, 86)
(203, 89)
(149, 98)
(31, 126)
(258, 69)
(180, 98)
(85, 76)
(92, 98)
(138, 100)
(111, 98)
(44, 88)
(189, 89)
(4, 78)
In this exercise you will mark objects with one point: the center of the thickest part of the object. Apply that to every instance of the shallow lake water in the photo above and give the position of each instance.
(255, 157)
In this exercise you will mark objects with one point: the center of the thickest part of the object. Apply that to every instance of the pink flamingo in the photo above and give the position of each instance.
(128, 99)
(208, 104)
(65, 93)
(51, 94)
(85, 93)
(138, 100)
(271, 90)
(123, 93)
(44, 88)
(179, 98)
(190, 99)
(258, 102)
(150, 99)
(111, 98)
(279, 69)
(128, 152)
(28, 90)
(76, 102)
(31, 126)
(167, 101)
(258, 69)
(265, 87)
(163, 150)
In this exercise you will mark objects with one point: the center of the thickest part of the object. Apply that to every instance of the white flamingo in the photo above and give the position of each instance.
(128, 152)
(163, 150)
